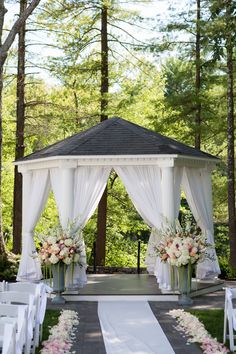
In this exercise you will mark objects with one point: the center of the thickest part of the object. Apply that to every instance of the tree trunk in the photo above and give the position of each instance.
(20, 125)
(2, 15)
(230, 135)
(102, 207)
(198, 78)
(4, 48)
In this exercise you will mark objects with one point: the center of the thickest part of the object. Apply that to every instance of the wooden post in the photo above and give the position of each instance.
(94, 257)
(102, 207)
(20, 128)
(138, 259)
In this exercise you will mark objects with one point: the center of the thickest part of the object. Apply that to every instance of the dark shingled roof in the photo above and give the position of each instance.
(116, 136)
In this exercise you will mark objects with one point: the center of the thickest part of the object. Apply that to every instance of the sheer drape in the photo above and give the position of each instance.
(36, 187)
(143, 184)
(197, 187)
(89, 184)
(162, 270)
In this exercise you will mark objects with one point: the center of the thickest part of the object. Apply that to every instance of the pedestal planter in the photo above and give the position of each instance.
(58, 273)
(184, 284)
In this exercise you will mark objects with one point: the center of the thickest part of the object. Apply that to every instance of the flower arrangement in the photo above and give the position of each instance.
(190, 325)
(180, 246)
(61, 336)
(61, 246)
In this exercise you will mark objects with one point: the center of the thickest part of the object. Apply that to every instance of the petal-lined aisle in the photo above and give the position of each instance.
(130, 327)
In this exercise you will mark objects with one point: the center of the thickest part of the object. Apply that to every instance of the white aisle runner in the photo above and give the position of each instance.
(131, 328)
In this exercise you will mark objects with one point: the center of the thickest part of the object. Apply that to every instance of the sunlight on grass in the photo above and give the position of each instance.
(213, 321)
(51, 319)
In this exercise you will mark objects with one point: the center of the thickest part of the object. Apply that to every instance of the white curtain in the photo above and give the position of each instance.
(36, 187)
(196, 184)
(143, 184)
(89, 184)
(162, 270)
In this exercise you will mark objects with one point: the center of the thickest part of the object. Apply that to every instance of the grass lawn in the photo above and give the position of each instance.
(213, 321)
(51, 319)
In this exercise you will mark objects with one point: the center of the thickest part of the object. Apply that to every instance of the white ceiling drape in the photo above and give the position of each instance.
(143, 184)
(89, 183)
(196, 184)
(36, 188)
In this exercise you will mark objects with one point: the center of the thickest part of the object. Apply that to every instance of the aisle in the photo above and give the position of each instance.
(131, 328)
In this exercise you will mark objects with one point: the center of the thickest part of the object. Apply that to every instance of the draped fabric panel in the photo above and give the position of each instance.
(36, 188)
(143, 184)
(89, 184)
(162, 270)
(197, 187)
(56, 183)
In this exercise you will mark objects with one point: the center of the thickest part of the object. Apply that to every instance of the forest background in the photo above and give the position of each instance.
(166, 65)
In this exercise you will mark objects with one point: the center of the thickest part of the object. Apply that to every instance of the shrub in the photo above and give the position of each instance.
(8, 268)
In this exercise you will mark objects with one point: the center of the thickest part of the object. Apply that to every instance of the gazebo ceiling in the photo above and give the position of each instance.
(117, 137)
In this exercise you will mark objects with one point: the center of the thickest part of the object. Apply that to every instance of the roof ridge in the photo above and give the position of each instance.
(83, 132)
(135, 128)
(109, 122)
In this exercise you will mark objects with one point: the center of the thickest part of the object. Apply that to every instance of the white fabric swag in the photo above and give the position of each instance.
(36, 187)
(145, 187)
(143, 184)
(89, 183)
(196, 184)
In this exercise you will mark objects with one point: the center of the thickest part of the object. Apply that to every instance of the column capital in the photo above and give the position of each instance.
(23, 169)
(67, 164)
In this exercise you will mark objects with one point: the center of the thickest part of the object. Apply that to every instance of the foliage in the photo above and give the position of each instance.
(223, 251)
(8, 268)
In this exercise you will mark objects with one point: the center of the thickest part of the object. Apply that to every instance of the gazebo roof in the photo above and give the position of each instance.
(117, 136)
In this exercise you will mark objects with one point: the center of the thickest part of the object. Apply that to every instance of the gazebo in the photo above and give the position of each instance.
(153, 168)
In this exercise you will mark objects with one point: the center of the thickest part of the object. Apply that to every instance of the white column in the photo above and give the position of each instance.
(162, 270)
(67, 193)
(168, 200)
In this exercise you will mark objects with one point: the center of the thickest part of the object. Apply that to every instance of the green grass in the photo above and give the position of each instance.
(213, 321)
(50, 320)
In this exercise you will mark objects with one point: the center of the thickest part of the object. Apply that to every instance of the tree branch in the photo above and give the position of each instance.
(15, 29)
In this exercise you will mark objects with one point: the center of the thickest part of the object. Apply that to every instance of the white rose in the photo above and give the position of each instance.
(53, 259)
(177, 253)
(64, 252)
(68, 242)
(55, 248)
(51, 240)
